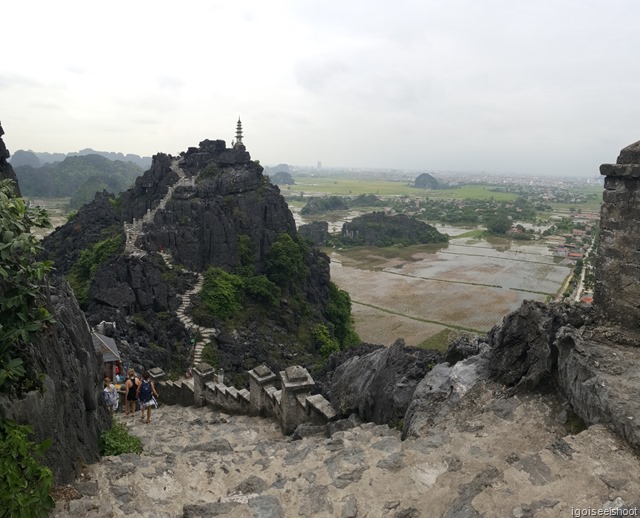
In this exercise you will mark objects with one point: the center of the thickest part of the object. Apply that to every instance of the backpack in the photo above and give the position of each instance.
(145, 391)
(110, 397)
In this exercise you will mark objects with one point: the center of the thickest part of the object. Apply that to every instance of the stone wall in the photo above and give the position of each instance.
(291, 405)
(617, 290)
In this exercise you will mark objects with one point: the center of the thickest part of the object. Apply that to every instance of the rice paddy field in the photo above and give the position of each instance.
(56, 208)
(467, 286)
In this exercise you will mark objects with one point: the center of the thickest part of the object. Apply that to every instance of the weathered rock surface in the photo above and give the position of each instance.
(201, 225)
(66, 407)
(493, 458)
(523, 350)
(379, 385)
(317, 232)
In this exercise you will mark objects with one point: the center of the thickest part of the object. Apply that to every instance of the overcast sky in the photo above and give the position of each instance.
(505, 86)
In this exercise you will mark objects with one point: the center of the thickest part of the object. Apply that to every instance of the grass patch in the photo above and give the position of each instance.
(336, 185)
(440, 341)
(118, 441)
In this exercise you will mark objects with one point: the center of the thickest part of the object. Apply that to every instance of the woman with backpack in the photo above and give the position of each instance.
(132, 387)
(146, 394)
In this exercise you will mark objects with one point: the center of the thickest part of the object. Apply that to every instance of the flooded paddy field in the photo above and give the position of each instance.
(467, 285)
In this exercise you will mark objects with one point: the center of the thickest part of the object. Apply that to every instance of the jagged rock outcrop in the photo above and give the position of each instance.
(6, 171)
(202, 223)
(379, 385)
(317, 232)
(86, 228)
(380, 229)
(65, 407)
(524, 352)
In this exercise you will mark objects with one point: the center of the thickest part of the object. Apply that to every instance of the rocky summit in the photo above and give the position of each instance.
(143, 261)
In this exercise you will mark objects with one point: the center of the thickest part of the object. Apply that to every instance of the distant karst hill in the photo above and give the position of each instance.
(426, 181)
(37, 158)
(79, 177)
(324, 204)
(282, 178)
(379, 229)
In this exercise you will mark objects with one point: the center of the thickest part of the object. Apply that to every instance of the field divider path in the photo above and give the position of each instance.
(499, 258)
(427, 321)
(446, 280)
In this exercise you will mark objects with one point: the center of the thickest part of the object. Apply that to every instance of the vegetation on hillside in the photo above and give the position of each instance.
(24, 482)
(22, 310)
(81, 273)
(231, 298)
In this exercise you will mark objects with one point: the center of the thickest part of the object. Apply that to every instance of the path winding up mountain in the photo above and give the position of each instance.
(135, 229)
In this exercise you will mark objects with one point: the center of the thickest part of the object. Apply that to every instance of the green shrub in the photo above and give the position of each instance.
(286, 260)
(118, 441)
(81, 273)
(260, 288)
(339, 314)
(247, 252)
(323, 340)
(22, 312)
(210, 355)
(222, 293)
(24, 482)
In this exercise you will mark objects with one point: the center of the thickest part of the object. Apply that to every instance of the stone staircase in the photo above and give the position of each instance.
(492, 458)
(134, 229)
(203, 335)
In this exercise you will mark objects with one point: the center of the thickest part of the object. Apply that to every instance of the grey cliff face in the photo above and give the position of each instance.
(67, 408)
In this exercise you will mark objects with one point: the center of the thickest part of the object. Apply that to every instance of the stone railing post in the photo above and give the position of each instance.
(296, 381)
(260, 378)
(156, 374)
(616, 291)
(202, 374)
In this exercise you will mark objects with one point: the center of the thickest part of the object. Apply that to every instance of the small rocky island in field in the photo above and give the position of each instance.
(380, 229)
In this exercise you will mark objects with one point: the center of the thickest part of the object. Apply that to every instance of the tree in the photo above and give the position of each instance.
(498, 224)
(22, 312)
(286, 260)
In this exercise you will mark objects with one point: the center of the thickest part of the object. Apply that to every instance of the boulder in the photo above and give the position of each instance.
(379, 386)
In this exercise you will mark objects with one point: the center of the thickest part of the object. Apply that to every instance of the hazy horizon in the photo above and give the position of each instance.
(505, 87)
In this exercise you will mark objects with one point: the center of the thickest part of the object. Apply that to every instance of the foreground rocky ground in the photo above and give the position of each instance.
(494, 457)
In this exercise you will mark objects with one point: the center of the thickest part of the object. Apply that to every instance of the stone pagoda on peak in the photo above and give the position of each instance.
(238, 142)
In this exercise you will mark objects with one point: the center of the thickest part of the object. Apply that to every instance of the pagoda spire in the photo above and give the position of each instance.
(238, 134)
